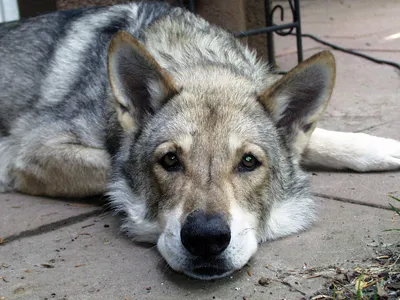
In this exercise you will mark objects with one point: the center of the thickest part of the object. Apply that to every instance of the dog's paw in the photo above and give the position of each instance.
(356, 151)
(372, 153)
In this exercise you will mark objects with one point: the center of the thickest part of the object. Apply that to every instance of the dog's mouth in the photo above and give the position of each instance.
(209, 270)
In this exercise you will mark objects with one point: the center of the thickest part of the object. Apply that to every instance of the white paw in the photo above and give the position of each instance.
(373, 153)
(357, 151)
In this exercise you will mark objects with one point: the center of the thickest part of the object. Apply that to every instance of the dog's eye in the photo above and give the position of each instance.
(170, 162)
(248, 163)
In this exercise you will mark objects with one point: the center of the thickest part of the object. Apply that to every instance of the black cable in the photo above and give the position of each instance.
(336, 47)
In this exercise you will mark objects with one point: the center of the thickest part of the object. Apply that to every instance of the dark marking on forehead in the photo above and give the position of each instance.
(209, 170)
(213, 117)
(4, 130)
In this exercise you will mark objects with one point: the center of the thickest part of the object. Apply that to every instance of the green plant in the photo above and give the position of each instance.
(396, 210)
(359, 288)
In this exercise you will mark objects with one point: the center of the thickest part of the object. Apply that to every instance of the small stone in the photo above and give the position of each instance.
(264, 281)
(19, 291)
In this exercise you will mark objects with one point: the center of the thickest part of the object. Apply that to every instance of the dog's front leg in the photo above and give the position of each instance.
(347, 150)
(60, 170)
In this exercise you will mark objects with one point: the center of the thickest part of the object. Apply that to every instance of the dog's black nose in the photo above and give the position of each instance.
(204, 234)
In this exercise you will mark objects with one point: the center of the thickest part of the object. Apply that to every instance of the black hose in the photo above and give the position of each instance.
(336, 47)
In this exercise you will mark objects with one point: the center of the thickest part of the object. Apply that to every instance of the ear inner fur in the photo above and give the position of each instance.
(324, 57)
(157, 83)
(298, 99)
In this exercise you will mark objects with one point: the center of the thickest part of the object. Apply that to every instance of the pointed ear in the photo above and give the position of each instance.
(139, 85)
(299, 98)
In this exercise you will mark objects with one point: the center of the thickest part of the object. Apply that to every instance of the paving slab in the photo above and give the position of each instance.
(370, 188)
(345, 22)
(91, 260)
(23, 215)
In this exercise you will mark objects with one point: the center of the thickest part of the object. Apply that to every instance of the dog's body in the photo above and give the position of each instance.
(203, 142)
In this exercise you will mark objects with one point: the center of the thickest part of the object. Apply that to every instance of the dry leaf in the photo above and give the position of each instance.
(381, 291)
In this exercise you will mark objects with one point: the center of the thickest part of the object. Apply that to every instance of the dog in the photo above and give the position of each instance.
(199, 147)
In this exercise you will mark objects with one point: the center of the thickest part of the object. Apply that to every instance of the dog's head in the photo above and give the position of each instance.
(207, 167)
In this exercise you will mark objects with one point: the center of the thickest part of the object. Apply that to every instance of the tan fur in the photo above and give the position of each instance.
(62, 170)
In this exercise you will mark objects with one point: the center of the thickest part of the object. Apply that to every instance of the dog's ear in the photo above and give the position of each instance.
(299, 98)
(139, 85)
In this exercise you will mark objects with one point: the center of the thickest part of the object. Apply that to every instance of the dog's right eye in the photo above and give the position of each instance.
(170, 162)
(249, 163)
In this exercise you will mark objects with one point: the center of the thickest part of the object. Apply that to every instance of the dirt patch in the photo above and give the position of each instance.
(375, 278)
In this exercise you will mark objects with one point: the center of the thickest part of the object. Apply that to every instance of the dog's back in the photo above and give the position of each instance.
(44, 59)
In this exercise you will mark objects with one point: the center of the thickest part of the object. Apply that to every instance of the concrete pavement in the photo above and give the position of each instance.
(55, 249)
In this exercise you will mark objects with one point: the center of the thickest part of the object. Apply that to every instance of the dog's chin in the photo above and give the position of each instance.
(208, 270)
(198, 268)
(208, 273)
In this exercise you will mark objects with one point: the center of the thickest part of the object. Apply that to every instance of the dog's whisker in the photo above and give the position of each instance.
(148, 250)
(246, 230)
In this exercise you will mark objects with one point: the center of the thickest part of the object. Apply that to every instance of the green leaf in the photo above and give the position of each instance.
(397, 210)
(395, 198)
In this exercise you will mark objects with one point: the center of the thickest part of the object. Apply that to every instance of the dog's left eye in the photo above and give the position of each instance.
(248, 163)
(170, 162)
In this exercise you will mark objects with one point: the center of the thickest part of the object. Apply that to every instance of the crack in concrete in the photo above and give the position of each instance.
(373, 126)
(79, 218)
(50, 227)
(347, 200)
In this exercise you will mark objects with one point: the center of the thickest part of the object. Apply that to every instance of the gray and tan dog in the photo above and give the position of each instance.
(196, 143)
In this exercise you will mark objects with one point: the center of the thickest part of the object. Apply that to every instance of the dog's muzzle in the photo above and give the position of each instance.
(206, 236)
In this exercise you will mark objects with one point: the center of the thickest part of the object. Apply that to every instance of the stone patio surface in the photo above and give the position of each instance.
(56, 249)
